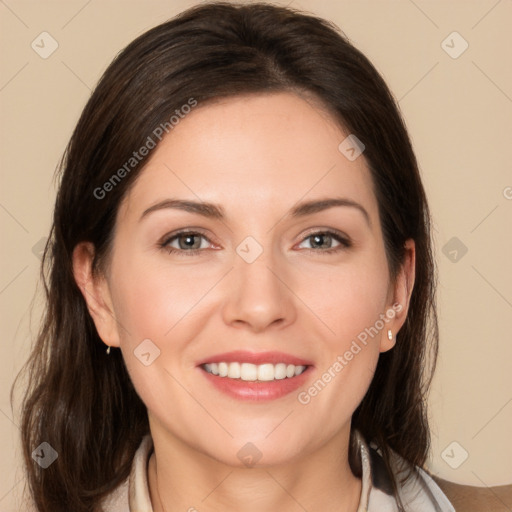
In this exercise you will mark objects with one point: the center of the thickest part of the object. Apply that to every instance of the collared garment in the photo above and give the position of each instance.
(419, 493)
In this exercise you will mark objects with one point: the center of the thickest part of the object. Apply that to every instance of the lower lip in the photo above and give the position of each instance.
(257, 391)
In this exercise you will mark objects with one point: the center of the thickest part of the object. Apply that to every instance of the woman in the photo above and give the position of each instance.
(241, 221)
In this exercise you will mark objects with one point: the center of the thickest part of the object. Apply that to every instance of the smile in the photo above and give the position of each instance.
(254, 372)
(255, 376)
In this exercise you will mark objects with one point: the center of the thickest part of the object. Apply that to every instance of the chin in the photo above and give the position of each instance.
(255, 452)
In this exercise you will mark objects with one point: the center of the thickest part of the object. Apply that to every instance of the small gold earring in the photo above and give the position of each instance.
(108, 350)
(390, 334)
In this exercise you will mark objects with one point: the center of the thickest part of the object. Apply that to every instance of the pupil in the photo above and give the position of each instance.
(189, 240)
(319, 238)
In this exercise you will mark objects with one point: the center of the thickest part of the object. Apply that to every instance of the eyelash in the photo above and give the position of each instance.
(345, 243)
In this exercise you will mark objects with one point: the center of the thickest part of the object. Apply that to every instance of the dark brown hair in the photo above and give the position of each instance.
(81, 401)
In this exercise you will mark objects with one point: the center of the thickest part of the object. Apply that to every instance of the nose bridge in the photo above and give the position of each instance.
(258, 296)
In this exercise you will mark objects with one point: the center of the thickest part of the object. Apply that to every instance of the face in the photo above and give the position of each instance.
(255, 285)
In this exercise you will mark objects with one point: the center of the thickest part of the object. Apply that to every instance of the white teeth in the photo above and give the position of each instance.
(234, 371)
(253, 372)
(280, 371)
(248, 371)
(266, 372)
(223, 369)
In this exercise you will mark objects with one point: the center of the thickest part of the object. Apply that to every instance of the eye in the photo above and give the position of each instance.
(323, 240)
(188, 243)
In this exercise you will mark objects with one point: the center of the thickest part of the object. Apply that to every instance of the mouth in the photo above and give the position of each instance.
(254, 372)
(257, 377)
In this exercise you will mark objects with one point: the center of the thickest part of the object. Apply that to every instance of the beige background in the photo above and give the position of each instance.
(459, 113)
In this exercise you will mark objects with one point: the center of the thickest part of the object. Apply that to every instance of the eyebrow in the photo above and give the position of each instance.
(216, 211)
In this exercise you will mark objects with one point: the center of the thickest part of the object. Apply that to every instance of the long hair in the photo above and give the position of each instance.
(81, 401)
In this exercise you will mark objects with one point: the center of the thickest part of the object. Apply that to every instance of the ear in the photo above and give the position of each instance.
(400, 297)
(96, 293)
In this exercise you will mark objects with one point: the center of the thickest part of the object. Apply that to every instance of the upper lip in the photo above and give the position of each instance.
(244, 356)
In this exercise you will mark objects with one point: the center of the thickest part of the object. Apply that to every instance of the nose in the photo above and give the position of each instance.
(258, 296)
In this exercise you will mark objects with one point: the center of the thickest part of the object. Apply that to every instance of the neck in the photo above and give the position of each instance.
(319, 481)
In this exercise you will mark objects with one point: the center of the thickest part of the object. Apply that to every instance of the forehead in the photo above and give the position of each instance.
(253, 153)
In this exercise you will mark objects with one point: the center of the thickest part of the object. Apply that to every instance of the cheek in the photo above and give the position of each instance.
(349, 299)
(352, 306)
(150, 300)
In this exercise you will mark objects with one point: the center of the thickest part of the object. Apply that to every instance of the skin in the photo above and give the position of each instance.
(256, 156)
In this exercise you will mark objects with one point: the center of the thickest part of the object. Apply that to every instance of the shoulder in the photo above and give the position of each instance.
(467, 498)
(417, 491)
(446, 495)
